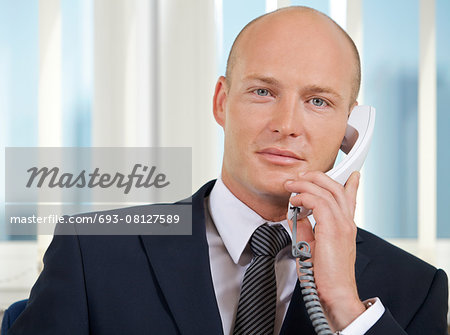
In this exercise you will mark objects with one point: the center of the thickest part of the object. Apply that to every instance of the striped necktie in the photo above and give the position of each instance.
(257, 303)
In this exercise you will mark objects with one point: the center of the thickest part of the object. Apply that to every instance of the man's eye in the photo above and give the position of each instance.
(318, 102)
(262, 92)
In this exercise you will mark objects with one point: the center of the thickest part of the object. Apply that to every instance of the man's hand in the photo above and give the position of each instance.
(333, 244)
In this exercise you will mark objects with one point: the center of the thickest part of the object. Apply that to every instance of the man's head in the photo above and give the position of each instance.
(292, 80)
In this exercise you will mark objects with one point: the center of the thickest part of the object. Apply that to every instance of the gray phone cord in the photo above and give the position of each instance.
(302, 251)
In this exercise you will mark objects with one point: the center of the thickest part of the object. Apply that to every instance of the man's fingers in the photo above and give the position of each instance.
(324, 211)
(320, 184)
(353, 182)
(307, 186)
(351, 188)
(304, 231)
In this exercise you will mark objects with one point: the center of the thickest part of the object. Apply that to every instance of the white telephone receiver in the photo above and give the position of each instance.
(355, 144)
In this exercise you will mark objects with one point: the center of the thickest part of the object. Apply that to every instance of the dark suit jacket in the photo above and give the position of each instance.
(162, 285)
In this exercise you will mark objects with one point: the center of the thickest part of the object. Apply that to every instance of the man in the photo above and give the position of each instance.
(292, 79)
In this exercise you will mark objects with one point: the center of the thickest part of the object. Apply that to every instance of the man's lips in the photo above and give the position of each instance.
(279, 156)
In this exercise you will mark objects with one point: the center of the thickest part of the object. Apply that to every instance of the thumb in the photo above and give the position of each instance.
(351, 188)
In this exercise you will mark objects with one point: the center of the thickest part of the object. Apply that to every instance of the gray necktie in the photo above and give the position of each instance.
(257, 303)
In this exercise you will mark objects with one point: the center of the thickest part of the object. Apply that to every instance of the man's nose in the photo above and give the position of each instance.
(287, 118)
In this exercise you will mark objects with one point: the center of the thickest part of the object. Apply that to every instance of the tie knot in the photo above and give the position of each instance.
(269, 240)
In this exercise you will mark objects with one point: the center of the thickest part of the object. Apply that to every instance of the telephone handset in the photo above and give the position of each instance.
(355, 144)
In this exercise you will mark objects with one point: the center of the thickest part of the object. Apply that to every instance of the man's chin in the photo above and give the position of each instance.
(274, 188)
(276, 180)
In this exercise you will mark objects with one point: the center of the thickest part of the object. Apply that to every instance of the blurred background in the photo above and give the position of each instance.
(142, 73)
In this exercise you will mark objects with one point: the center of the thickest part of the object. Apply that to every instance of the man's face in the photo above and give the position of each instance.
(287, 105)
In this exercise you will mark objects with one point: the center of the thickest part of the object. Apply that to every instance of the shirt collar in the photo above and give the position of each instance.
(234, 220)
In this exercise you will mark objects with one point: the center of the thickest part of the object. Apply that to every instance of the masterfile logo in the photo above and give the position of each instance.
(100, 175)
(111, 188)
(53, 178)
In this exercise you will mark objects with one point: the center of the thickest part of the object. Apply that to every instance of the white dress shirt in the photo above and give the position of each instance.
(229, 226)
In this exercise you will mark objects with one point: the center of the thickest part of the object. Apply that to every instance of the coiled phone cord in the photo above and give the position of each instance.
(302, 251)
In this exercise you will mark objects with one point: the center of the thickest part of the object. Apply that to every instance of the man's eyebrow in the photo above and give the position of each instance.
(321, 89)
(264, 79)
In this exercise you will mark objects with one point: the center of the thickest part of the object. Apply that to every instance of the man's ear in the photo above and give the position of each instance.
(219, 101)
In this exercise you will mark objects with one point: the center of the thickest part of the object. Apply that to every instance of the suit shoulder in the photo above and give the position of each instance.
(382, 251)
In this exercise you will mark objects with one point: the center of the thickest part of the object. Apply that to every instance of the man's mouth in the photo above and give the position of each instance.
(279, 156)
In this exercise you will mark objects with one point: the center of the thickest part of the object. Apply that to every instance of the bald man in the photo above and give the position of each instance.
(292, 80)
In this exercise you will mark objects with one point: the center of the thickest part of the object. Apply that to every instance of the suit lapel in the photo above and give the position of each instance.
(297, 319)
(182, 268)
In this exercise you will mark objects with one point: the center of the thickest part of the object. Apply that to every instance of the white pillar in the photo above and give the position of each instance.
(427, 132)
(338, 12)
(272, 5)
(283, 3)
(124, 68)
(49, 96)
(187, 65)
(110, 41)
(49, 91)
